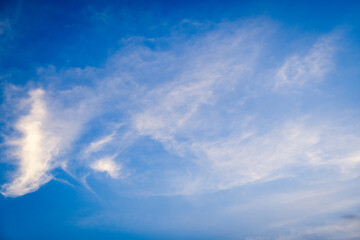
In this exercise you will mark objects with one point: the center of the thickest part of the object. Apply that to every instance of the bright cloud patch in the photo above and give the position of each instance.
(45, 136)
(107, 165)
(35, 149)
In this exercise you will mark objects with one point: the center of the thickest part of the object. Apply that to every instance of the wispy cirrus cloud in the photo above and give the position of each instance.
(299, 69)
(97, 145)
(251, 156)
(205, 106)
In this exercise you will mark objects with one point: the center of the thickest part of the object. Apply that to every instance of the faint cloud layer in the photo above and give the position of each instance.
(342, 229)
(4, 26)
(298, 70)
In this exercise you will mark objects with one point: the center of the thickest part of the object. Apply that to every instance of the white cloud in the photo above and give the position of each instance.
(35, 149)
(213, 67)
(298, 70)
(194, 114)
(176, 106)
(46, 133)
(107, 165)
(249, 156)
(97, 145)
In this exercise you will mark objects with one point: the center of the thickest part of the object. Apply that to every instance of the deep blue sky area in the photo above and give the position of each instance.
(179, 119)
(48, 31)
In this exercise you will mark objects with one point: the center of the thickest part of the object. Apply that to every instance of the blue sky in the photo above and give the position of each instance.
(180, 120)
